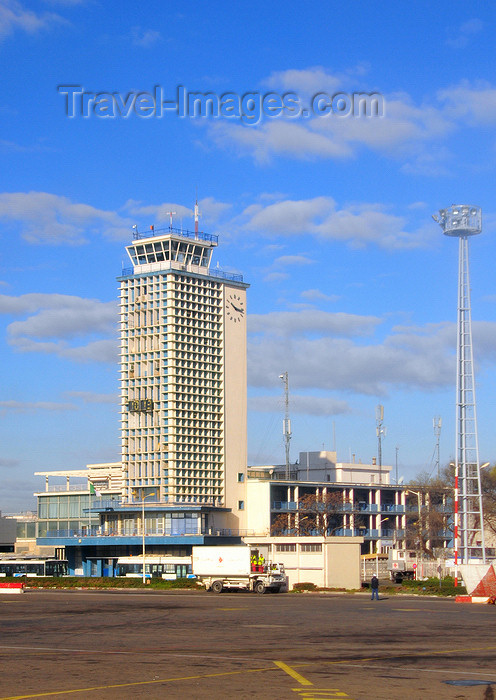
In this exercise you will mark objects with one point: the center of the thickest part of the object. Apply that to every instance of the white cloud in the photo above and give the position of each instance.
(415, 133)
(106, 351)
(314, 322)
(278, 138)
(307, 405)
(145, 37)
(14, 16)
(9, 463)
(322, 354)
(58, 315)
(159, 212)
(340, 365)
(276, 276)
(45, 218)
(285, 260)
(309, 81)
(473, 104)
(211, 209)
(460, 38)
(357, 224)
(92, 397)
(34, 406)
(317, 295)
(341, 353)
(55, 319)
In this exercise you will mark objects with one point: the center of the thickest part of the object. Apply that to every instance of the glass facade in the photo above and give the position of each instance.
(65, 512)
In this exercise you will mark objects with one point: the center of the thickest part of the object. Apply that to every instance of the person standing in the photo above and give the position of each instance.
(374, 585)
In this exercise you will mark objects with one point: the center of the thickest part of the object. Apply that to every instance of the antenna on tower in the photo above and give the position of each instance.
(381, 432)
(437, 423)
(286, 424)
(171, 214)
(197, 214)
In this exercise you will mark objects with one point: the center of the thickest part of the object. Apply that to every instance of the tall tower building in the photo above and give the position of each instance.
(183, 373)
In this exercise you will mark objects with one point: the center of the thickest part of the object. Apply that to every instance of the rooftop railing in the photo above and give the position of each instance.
(211, 272)
(183, 233)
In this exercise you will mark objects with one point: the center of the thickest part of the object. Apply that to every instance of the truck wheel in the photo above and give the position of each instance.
(216, 587)
(259, 587)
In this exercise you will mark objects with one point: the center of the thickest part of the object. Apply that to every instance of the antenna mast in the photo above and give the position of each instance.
(170, 214)
(286, 424)
(437, 422)
(381, 431)
(197, 214)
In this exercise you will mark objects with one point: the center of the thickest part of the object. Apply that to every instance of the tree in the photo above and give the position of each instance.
(429, 511)
(488, 486)
(316, 514)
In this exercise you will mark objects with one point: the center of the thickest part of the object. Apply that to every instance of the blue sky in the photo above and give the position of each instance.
(353, 286)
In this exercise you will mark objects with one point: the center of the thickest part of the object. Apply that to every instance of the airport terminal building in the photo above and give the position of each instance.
(183, 478)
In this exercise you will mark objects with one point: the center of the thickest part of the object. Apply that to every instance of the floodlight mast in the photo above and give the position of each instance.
(463, 221)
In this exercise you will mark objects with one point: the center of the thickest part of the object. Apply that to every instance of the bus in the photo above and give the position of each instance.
(32, 567)
(155, 567)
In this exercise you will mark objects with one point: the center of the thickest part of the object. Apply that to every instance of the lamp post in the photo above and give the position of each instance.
(143, 527)
(419, 525)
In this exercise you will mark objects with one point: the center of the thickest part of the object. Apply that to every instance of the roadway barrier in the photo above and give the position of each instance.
(12, 587)
(473, 599)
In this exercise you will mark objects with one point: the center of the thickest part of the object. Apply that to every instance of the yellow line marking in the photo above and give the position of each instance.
(350, 662)
(322, 693)
(291, 672)
(127, 685)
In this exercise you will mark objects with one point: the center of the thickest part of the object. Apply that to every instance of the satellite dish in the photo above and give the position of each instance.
(401, 479)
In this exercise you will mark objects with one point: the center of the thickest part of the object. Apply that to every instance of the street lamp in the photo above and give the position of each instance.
(379, 528)
(143, 528)
(419, 524)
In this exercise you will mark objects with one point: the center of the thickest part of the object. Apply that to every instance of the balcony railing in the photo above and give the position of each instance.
(372, 508)
(150, 532)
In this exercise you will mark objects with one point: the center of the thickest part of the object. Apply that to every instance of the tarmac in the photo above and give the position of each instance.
(112, 644)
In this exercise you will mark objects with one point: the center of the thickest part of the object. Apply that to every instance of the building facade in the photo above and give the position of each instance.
(181, 480)
(183, 374)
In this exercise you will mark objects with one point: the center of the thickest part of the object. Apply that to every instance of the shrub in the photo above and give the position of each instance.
(431, 587)
(305, 586)
(104, 582)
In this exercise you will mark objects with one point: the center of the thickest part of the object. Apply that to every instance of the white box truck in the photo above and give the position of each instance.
(402, 563)
(220, 568)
